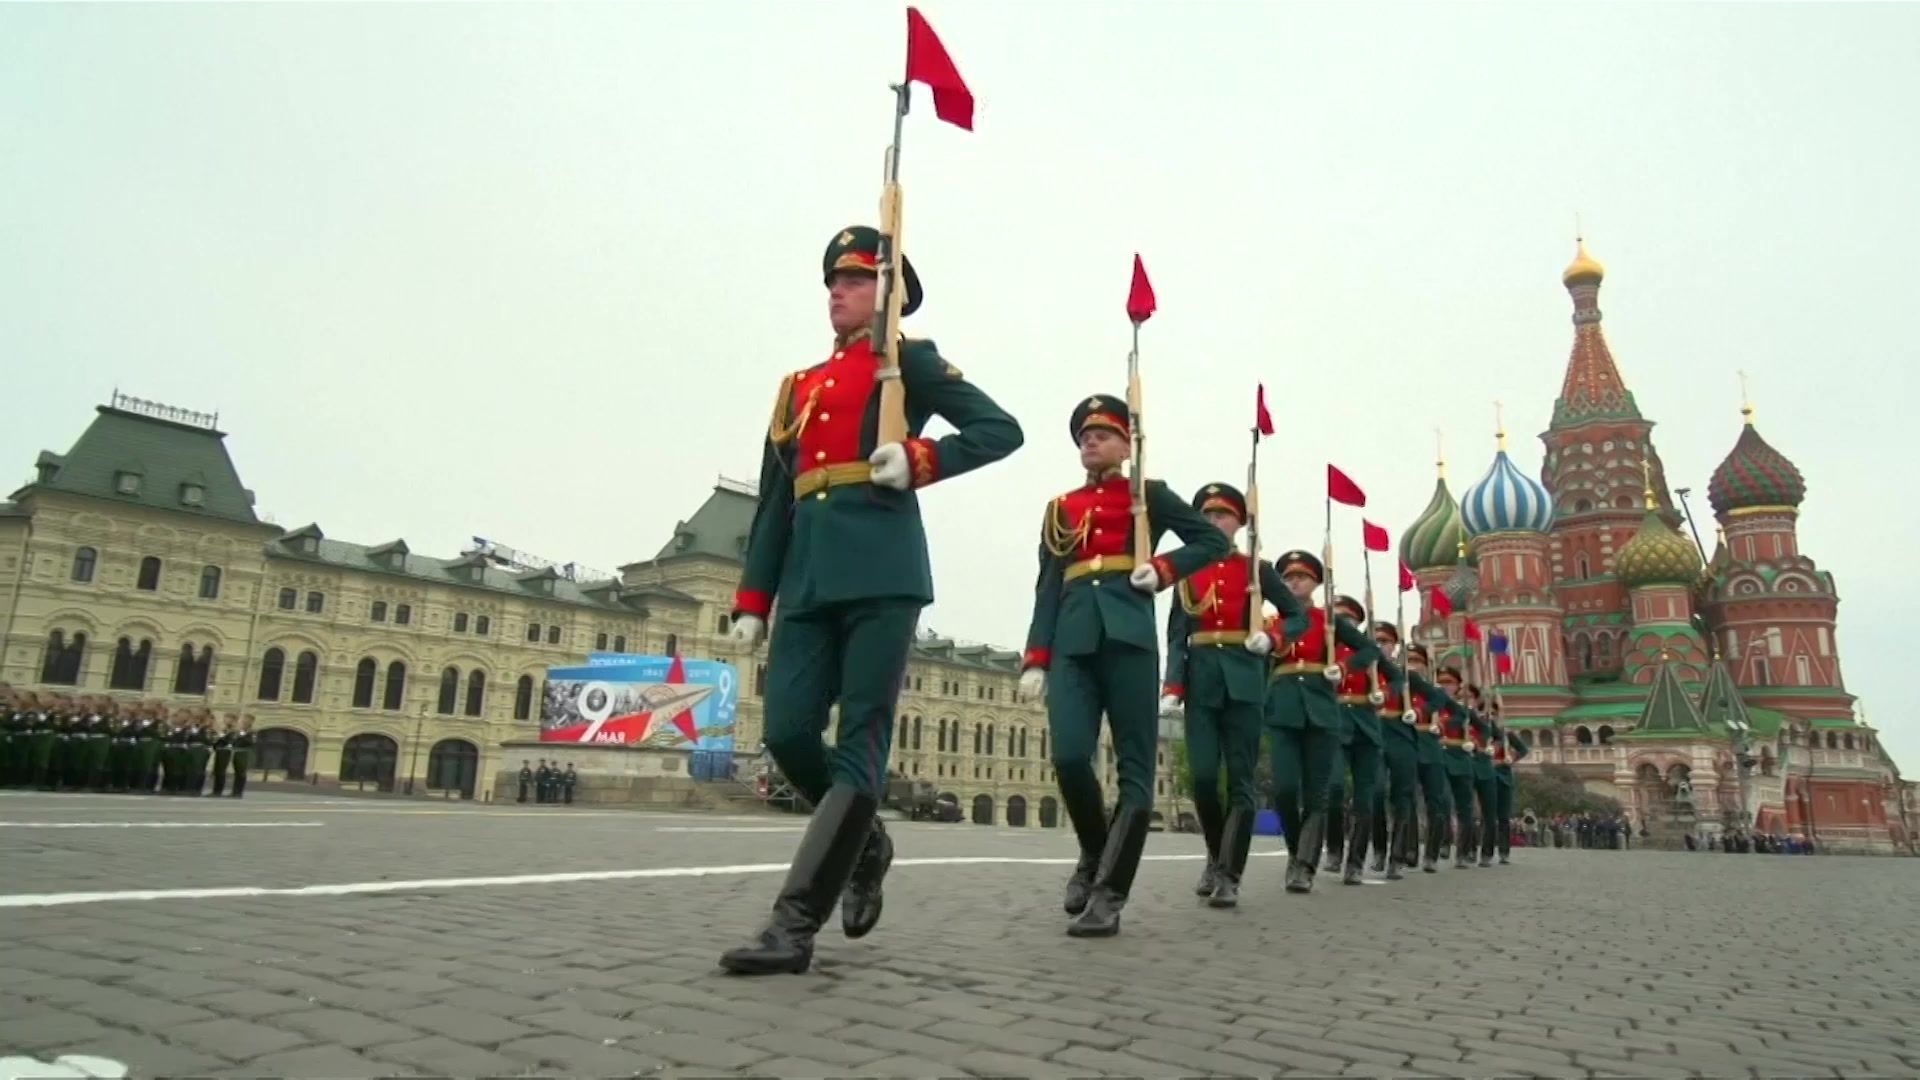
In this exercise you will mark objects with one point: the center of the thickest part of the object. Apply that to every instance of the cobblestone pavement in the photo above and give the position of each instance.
(1564, 964)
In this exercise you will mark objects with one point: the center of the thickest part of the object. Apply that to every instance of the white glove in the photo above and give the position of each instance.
(748, 631)
(1146, 578)
(1170, 705)
(890, 467)
(1033, 682)
(1259, 644)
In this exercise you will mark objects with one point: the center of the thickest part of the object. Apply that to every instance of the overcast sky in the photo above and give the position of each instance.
(533, 272)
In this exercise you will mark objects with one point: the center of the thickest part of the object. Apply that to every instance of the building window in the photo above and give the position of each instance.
(396, 694)
(620, 643)
(1802, 671)
(476, 692)
(481, 626)
(149, 580)
(553, 634)
(379, 611)
(673, 645)
(723, 623)
(130, 665)
(363, 683)
(523, 698)
(209, 583)
(288, 599)
(990, 734)
(600, 642)
(916, 732)
(272, 666)
(760, 680)
(305, 671)
(61, 667)
(316, 602)
(977, 733)
(533, 632)
(449, 690)
(84, 561)
(402, 615)
(191, 673)
(460, 622)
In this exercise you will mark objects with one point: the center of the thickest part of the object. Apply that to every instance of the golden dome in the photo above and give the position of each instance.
(1584, 267)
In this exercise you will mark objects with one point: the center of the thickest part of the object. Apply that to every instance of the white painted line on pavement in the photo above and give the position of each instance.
(159, 824)
(26, 900)
(729, 828)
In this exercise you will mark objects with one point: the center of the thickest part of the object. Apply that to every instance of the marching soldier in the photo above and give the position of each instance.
(837, 540)
(1507, 749)
(148, 734)
(1453, 717)
(1393, 814)
(199, 751)
(1359, 750)
(1303, 718)
(1436, 792)
(1092, 650)
(42, 743)
(243, 740)
(1480, 737)
(223, 755)
(1218, 670)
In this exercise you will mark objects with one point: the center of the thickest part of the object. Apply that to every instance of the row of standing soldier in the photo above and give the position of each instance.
(61, 742)
(837, 539)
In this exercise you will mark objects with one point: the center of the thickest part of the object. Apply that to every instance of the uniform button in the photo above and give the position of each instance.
(839, 355)
(825, 416)
(822, 495)
(819, 455)
(829, 384)
(1096, 530)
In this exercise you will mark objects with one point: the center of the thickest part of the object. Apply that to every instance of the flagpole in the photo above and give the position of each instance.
(1374, 694)
(886, 318)
(1332, 670)
(1254, 600)
(1407, 715)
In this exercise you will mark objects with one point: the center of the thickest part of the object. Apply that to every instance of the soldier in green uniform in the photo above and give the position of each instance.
(1092, 649)
(1481, 734)
(68, 744)
(837, 539)
(173, 763)
(1360, 748)
(242, 754)
(12, 745)
(147, 734)
(120, 748)
(1436, 792)
(1216, 671)
(1392, 812)
(1303, 718)
(223, 754)
(199, 751)
(42, 740)
(1507, 749)
(1452, 716)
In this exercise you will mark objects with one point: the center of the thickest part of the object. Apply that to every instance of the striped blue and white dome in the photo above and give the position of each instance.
(1506, 500)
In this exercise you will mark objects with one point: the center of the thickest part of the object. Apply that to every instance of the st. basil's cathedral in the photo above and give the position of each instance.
(1648, 674)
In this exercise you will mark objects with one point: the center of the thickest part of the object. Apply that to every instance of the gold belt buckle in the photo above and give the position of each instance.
(1098, 562)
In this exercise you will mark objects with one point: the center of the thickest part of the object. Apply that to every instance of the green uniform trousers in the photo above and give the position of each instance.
(1503, 808)
(1356, 773)
(41, 757)
(1228, 735)
(1435, 792)
(197, 769)
(147, 772)
(1483, 790)
(243, 761)
(1123, 682)
(854, 654)
(1460, 780)
(1401, 759)
(9, 759)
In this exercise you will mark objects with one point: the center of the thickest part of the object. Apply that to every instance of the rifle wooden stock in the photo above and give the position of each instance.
(886, 336)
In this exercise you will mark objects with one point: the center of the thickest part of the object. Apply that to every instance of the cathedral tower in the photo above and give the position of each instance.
(1508, 514)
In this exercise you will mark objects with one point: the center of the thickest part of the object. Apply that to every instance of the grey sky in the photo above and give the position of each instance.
(532, 272)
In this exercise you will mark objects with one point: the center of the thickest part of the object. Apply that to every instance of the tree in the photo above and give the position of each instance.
(1556, 789)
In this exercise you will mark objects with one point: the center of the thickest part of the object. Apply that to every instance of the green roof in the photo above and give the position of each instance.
(171, 465)
(473, 571)
(718, 529)
(1721, 705)
(937, 649)
(1602, 710)
(1669, 710)
(1767, 722)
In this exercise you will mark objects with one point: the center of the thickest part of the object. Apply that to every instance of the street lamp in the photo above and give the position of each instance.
(1695, 529)
(413, 762)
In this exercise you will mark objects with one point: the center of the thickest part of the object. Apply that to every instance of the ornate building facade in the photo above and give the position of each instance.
(134, 566)
(1707, 694)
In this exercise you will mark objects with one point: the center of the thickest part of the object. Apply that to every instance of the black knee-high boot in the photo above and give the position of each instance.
(1208, 810)
(1237, 841)
(1081, 794)
(836, 835)
(1113, 879)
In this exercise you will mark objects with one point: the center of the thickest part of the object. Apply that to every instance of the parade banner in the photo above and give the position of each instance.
(653, 702)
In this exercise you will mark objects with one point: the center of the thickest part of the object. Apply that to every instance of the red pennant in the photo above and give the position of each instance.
(1406, 576)
(1442, 606)
(1140, 301)
(1473, 630)
(1262, 419)
(928, 62)
(1342, 489)
(1373, 536)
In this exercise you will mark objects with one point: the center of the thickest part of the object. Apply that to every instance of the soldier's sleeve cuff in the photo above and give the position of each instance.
(752, 602)
(923, 460)
(1165, 570)
(1174, 690)
(1036, 658)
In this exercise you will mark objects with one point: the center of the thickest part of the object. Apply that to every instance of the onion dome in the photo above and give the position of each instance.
(1434, 537)
(1506, 499)
(1465, 582)
(1754, 475)
(1584, 267)
(1657, 555)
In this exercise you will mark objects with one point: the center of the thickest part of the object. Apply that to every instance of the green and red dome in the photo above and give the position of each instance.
(1755, 476)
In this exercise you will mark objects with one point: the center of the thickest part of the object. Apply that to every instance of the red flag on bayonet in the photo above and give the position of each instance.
(1342, 489)
(928, 62)
(1473, 630)
(1140, 302)
(1262, 419)
(1442, 607)
(1373, 536)
(1406, 576)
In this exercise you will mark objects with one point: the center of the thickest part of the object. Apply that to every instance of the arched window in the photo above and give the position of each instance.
(84, 561)
(553, 634)
(476, 691)
(451, 766)
(460, 622)
(673, 644)
(449, 690)
(369, 759)
(1582, 567)
(1583, 652)
(62, 664)
(1583, 736)
(619, 643)
(396, 694)
(533, 632)
(305, 671)
(977, 735)
(402, 615)
(316, 602)
(990, 734)
(600, 641)
(209, 583)
(281, 750)
(523, 698)
(1605, 734)
(130, 665)
(1603, 650)
(272, 666)
(149, 579)
(379, 612)
(288, 599)
(481, 625)
(191, 673)
(363, 683)
(916, 732)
